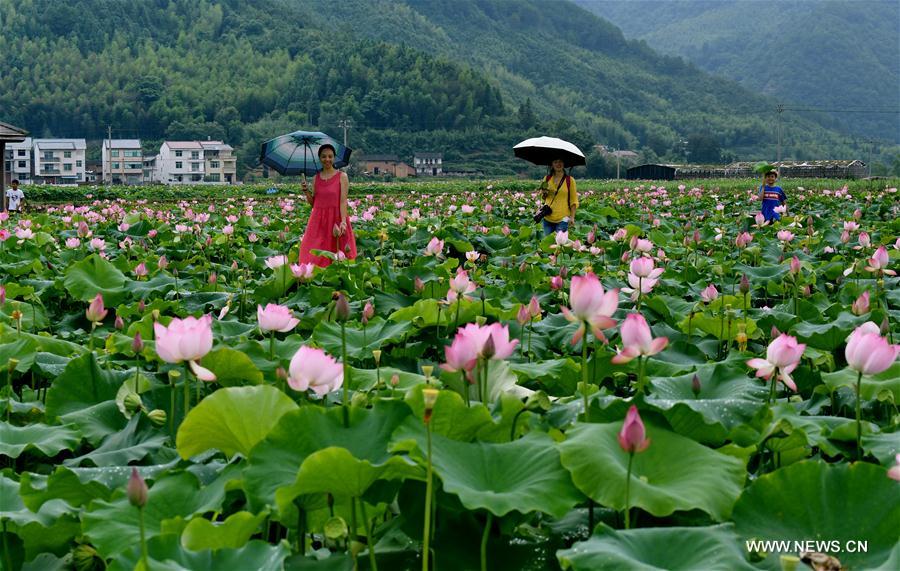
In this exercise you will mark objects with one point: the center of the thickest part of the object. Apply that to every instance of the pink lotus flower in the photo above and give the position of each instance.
(523, 316)
(136, 490)
(140, 270)
(163, 263)
(864, 240)
(314, 369)
(534, 307)
(760, 220)
(275, 262)
(861, 305)
(303, 271)
(275, 317)
(783, 355)
(460, 285)
(228, 230)
(368, 311)
(639, 285)
(641, 244)
(435, 247)
(795, 265)
(472, 256)
(851, 226)
(868, 352)
(638, 340)
(785, 235)
(709, 293)
(590, 306)
(643, 267)
(561, 239)
(880, 261)
(743, 239)
(72, 243)
(633, 436)
(187, 339)
(619, 235)
(96, 312)
(474, 341)
(894, 472)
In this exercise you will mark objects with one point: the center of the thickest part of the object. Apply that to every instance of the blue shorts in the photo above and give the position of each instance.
(554, 227)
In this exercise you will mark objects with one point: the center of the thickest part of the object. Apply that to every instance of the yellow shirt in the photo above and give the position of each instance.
(561, 202)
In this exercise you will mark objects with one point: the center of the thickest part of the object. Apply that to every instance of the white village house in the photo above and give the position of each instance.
(59, 161)
(122, 161)
(192, 162)
(18, 161)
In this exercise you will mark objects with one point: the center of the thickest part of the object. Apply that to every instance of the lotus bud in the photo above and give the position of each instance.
(695, 385)
(697, 236)
(133, 403)
(157, 416)
(857, 214)
(341, 307)
(395, 380)
(885, 327)
(795, 265)
(418, 284)
(359, 399)
(281, 374)
(137, 489)
(141, 306)
(368, 311)
(522, 267)
(96, 312)
(213, 278)
(775, 332)
(744, 284)
(523, 315)
(137, 344)
(2, 295)
(807, 290)
(429, 398)
(563, 272)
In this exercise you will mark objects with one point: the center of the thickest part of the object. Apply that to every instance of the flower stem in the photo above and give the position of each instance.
(426, 534)
(144, 557)
(584, 374)
(628, 491)
(772, 388)
(641, 380)
(187, 391)
(858, 416)
(484, 540)
(272, 345)
(346, 402)
(370, 535)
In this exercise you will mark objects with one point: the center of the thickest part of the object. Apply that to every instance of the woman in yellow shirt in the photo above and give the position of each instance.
(560, 194)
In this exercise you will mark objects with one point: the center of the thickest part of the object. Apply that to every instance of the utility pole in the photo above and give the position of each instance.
(618, 159)
(345, 124)
(779, 109)
(871, 150)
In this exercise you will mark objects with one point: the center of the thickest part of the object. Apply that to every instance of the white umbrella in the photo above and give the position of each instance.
(545, 150)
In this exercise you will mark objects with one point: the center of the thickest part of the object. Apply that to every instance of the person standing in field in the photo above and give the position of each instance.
(561, 195)
(771, 196)
(15, 198)
(329, 227)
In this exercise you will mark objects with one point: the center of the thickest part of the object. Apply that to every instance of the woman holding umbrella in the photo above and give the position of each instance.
(329, 227)
(558, 192)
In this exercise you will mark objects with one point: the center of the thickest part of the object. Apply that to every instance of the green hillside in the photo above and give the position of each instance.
(836, 55)
(468, 78)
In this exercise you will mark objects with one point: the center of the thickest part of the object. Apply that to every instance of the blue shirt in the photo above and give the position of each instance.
(772, 196)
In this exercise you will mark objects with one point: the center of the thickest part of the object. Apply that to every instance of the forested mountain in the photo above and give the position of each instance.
(469, 78)
(839, 55)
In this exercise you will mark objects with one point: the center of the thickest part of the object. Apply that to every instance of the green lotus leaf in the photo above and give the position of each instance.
(82, 384)
(232, 420)
(34, 318)
(93, 275)
(715, 548)
(871, 386)
(361, 341)
(884, 446)
(62, 484)
(812, 500)
(727, 400)
(113, 526)
(275, 461)
(167, 554)
(673, 473)
(828, 336)
(450, 416)
(49, 440)
(523, 476)
(232, 367)
(335, 471)
(134, 442)
(233, 533)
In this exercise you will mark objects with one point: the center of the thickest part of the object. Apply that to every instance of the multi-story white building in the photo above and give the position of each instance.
(428, 164)
(180, 162)
(192, 162)
(59, 161)
(221, 164)
(123, 161)
(18, 161)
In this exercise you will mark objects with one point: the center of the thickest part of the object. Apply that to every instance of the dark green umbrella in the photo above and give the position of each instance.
(297, 153)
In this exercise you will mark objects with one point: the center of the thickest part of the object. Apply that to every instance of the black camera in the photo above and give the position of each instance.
(544, 211)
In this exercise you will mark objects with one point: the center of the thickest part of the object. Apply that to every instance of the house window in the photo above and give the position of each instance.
(67, 167)
(195, 167)
(214, 177)
(48, 155)
(177, 164)
(376, 170)
(115, 165)
(22, 164)
(132, 165)
(78, 164)
(114, 153)
(177, 153)
(21, 152)
(195, 154)
(132, 153)
(213, 164)
(196, 178)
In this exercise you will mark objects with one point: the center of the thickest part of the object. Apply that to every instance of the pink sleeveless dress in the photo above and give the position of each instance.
(326, 212)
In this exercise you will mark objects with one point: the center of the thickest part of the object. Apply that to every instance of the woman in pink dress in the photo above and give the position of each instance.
(329, 226)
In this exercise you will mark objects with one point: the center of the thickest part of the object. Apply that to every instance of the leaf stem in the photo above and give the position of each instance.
(628, 491)
(484, 540)
(429, 478)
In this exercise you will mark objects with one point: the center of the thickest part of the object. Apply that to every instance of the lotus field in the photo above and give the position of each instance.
(667, 386)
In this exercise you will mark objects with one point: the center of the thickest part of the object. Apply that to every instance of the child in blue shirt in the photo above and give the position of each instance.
(771, 196)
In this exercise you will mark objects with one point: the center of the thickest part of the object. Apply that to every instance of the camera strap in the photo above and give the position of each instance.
(563, 180)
